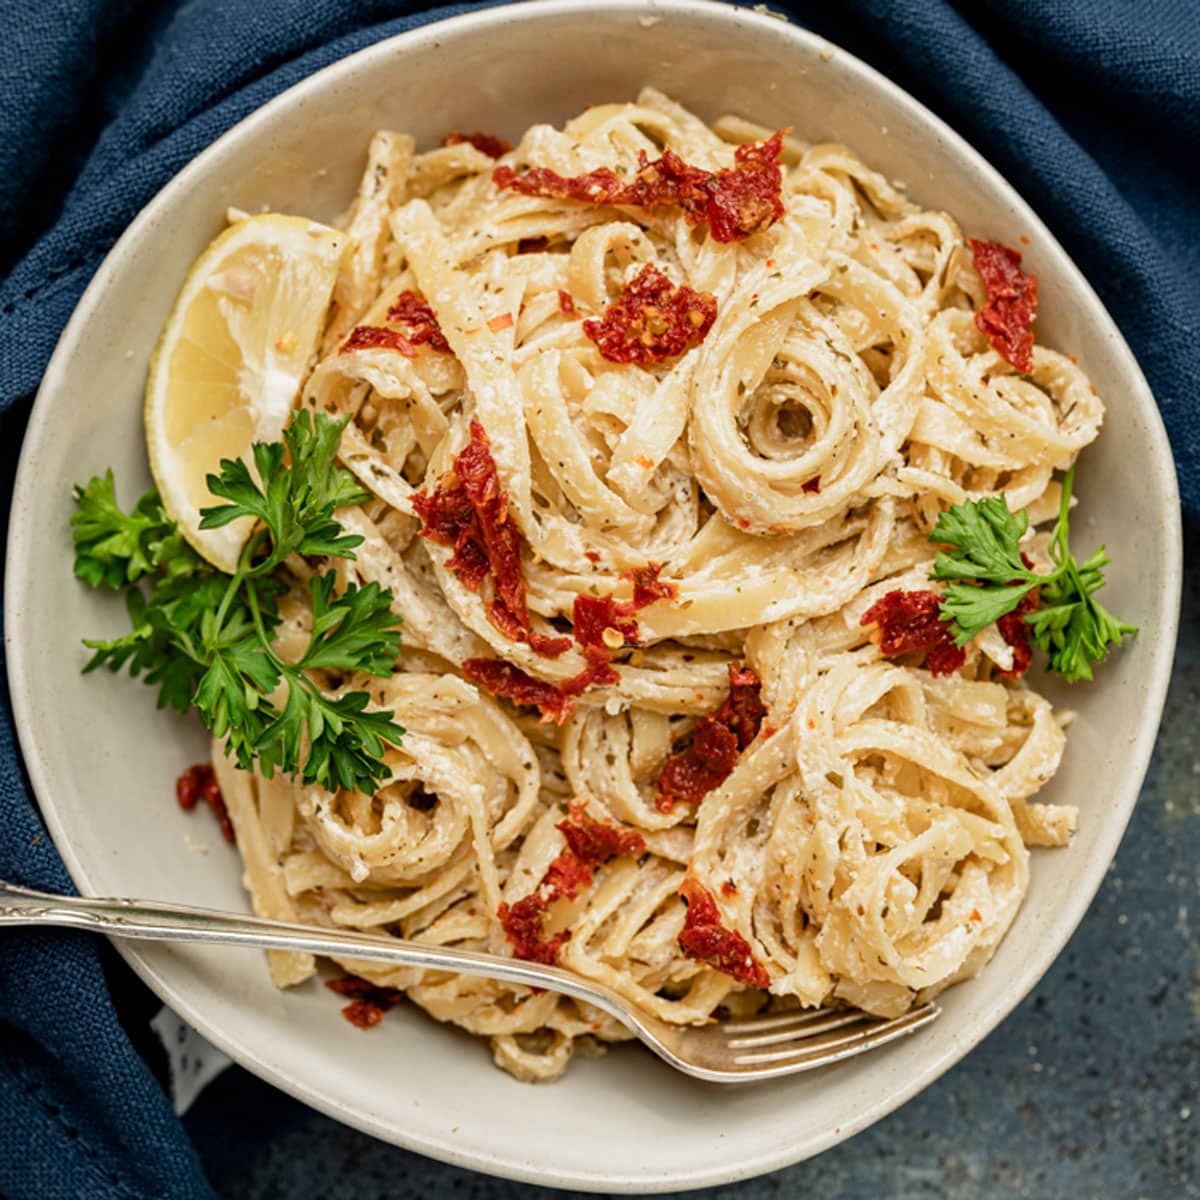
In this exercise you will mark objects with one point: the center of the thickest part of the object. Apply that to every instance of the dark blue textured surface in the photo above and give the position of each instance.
(1092, 108)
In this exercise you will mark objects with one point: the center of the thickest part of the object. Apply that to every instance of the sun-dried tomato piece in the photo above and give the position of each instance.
(1007, 319)
(566, 305)
(368, 1002)
(524, 927)
(669, 180)
(371, 337)
(555, 702)
(198, 783)
(911, 623)
(1014, 629)
(485, 143)
(647, 587)
(735, 201)
(603, 626)
(358, 988)
(509, 681)
(601, 186)
(590, 844)
(690, 774)
(412, 310)
(595, 674)
(717, 740)
(706, 940)
(468, 510)
(652, 320)
(747, 197)
(742, 711)
(524, 923)
(595, 842)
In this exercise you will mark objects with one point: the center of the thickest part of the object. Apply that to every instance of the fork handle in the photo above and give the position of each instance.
(150, 921)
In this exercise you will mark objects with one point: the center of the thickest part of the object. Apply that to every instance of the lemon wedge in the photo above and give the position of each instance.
(231, 358)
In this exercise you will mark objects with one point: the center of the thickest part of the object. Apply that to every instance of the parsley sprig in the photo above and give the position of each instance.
(986, 578)
(205, 639)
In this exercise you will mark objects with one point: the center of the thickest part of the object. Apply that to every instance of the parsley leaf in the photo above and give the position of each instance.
(353, 631)
(986, 579)
(294, 502)
(985, 536)
(205, 638)
(114, 548)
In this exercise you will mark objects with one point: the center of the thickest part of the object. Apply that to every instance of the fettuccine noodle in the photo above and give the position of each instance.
(779, 476)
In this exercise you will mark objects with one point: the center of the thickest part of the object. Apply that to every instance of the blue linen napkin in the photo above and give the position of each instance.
(1091, 107)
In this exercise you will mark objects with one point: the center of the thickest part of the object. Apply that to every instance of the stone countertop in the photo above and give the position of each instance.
(1092, 1091)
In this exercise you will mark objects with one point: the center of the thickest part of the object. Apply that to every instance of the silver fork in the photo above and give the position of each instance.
(734, 1051)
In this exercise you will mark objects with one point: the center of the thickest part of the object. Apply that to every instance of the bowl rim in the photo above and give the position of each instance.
(22, 673)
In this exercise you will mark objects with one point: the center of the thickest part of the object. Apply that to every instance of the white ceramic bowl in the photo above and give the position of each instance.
(103, 761)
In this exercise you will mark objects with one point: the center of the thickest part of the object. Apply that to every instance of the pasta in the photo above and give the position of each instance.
(704, 514)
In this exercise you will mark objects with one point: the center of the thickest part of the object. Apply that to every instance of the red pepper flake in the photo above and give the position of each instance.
(706, 940)
(370, 337)
(566, 305)
(735, 201)
(412, 310)
(976, 915)
(502, 321)
(485, 143)
(729, 888)
(468, 510)
(1014, 629)
(368, 1002)
(593, 556)
(198, 783)
(911, 623)
(647, 587)
(652, 320)
(691, 773)
(1007, 319)
(533, 245)
(813, 485)
(590, 844)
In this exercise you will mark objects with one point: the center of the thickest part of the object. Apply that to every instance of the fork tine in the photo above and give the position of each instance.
(810, 1026)
(837, 1045)
(794, 1018)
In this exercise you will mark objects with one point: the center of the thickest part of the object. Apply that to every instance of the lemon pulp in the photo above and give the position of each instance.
(231, 358)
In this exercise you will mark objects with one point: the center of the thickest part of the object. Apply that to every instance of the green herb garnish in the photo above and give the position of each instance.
(986, 579)
(205, 638)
